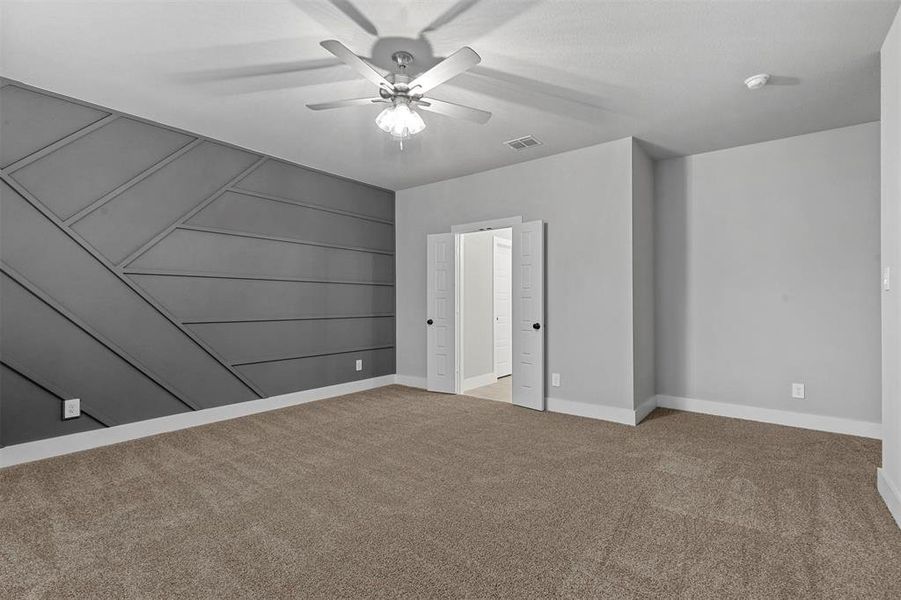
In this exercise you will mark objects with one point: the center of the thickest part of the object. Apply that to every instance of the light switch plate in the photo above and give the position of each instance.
(555, 379)
(71, 408)
(359, 365)
(798, 391)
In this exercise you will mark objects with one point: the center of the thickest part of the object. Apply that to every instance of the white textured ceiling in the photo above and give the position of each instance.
(571, 72)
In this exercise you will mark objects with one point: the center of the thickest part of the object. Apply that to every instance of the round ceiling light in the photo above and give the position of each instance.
(755, 82)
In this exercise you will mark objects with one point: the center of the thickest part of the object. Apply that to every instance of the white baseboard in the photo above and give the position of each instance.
(470, 383)
(76, 442)
(410, 381)
(890, 494)
(626, 416)
(645, 408)
(770, 415)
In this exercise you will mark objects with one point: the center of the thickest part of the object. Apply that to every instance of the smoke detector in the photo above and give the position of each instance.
(755, 82)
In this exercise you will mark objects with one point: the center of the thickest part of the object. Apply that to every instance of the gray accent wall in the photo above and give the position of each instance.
(768, 274)
(148, 271)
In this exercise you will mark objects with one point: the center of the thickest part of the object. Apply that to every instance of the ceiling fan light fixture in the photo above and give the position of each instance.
(400, 121)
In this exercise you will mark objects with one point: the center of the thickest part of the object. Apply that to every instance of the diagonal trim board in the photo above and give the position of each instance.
(48, 214)
(204, 274)
(86, 408)
(276, 238)
(77, 442)
(132, 182)
(312, 206)
(185, 217)
(50, 148)
(109, 344)
(275, 319)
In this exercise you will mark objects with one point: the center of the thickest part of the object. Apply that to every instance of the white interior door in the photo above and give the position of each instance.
(503, 307)
(440, 328)
(528, 315)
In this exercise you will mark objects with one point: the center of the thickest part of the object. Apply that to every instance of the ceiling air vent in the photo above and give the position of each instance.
(523, 142)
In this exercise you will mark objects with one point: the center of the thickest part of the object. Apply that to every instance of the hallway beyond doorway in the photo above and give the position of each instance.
(501, 391)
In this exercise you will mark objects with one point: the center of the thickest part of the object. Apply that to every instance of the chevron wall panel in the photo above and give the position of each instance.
(148, 271)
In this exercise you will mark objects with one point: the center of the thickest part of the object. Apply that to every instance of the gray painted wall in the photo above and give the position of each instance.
(149, 272)
(768, 274)
(891, 252)
(585, 197)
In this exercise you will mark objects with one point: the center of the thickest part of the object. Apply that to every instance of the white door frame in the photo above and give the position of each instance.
(458, 231)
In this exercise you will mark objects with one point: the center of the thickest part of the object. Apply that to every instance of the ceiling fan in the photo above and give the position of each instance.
(404, 94)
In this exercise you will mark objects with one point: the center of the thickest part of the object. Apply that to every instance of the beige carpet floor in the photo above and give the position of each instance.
(402, 493)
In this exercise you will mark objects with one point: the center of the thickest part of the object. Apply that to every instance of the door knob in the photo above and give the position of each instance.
(429, 322)
(536, 325)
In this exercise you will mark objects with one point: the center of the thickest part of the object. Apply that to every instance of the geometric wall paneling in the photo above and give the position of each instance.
(194, 299)
(33, 121)
(281, 377)
(136, 277)
(306, 186)
(48, 256)
(180, 222)
(252, 214)
(253, 341)
(228, 253)
(57, 350)
(130, 219)
(31, 412)
(84, 170)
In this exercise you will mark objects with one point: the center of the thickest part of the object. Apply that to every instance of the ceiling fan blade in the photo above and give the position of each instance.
(356, 63)
(461, 60)
(354, 14)
(460, 7)
(458, 111)
(346, 103)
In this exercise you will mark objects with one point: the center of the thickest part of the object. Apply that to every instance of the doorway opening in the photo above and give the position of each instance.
(486, 314)
(445, 354)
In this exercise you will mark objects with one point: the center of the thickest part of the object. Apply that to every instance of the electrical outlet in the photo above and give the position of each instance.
(555, 379)
(71, 408)
(798, 391)
(359, 365)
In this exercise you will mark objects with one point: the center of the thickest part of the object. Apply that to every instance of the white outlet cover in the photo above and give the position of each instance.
(555, 379)
(71, 408)
(359, 365)
(798, 391)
